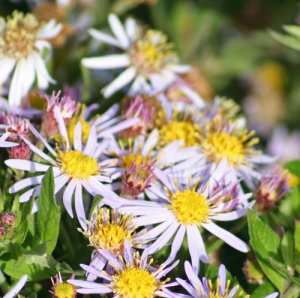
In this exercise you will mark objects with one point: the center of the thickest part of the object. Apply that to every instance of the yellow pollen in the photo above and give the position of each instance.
(78, 165)
(128, 159)
(180, 130)
(64, 290)
(152, 53)
(135, 283)
(223, 145)
(111, 237)
(85, 128)
(18, 35)
(189, 207)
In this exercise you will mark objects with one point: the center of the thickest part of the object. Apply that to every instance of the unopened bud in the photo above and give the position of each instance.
(22, 151)
(8, 219)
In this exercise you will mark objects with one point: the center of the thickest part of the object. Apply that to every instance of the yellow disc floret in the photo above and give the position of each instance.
(223, 145)
(18, 35)
(128, 159)
(85, 129)
(135, 283)
(180, 130)
(64, 290)
(189, 207)
(78, 165)
(152, 53)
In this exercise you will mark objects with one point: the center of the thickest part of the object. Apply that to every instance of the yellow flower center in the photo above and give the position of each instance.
(128, 159)
(18, 35)
(152, 53)
(223, 145)
(180, 130)
(135, 283)
(110, 237)
(85, 129)
(64, 290)
(189, 207)
(78, 165)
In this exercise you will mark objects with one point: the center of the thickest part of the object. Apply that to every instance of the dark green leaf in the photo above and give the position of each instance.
(265, 243)
(48, 215)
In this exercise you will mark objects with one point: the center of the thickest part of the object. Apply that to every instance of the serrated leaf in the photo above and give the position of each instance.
(287, 248)
(265, 243)
(293, 167)
(48, 215)
(284, 272)
(36, 267)
(287, 40)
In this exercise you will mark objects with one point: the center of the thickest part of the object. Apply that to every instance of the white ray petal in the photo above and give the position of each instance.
(107, 62)
(26, 165)
(118, 30)
(102, 37)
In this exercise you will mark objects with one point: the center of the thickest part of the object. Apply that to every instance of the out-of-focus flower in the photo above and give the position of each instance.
(204, 288)
(284, 144)
(132, 276)
(22, 46)
(17, 288)
(46, 11)
(272, 188)
(265, 105)
(149, 60)
(61, 289)
(75, 166)
(181, 210)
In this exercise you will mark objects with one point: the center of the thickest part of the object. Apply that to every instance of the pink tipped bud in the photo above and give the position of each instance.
(22, 151)
(8, 219)
(138, 109)
(136, 179)
(67, 107)
(271, 190)
(17, 127)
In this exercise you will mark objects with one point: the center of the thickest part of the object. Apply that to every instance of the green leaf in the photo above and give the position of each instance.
(297, 244)
(263, 290)
(287, 248)
(265, 243)
(287, 40)
(284, 272)
(35, 266)
(95, 203)
(292, 29)
(293, 167)
(48, 215)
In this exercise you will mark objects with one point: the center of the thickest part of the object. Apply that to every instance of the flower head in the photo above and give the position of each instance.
(133, 276)
(151, 62)
(22, 45)
(61, 289)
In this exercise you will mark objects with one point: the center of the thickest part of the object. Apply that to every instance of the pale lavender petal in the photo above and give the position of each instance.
(17, 288)
(91, 142)
(79, 206)
(62, 128)
(77, 143)
(177, 242)
(26, 182)
(107, 62)
(26, 165)
(67, 196)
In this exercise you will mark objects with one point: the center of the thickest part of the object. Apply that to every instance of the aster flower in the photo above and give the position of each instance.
(22, 46)
(181, 210)
(133, 276)
(110, 230)
(149, 60)
(204, 288)
(62, 289)
(148, 161)
(75, 166)
(17, 288)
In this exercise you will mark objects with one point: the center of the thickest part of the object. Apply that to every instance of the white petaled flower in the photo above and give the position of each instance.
(74, 166)
(204, 288)
(184, 210)
(132, 276)
(22, 47)
(17, 288)
(150, 62)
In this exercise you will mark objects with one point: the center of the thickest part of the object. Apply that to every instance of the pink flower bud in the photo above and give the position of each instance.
(22, 151)
(8, 219)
